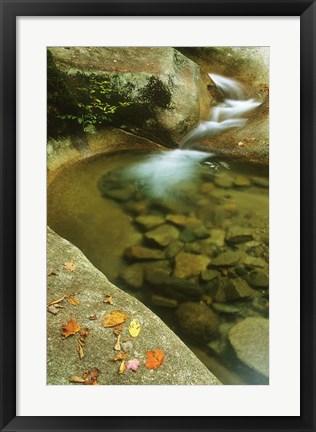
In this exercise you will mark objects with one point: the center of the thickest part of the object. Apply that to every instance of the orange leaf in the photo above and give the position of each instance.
(72, 300)
(114, 318)
(155, 358)
(70, 328)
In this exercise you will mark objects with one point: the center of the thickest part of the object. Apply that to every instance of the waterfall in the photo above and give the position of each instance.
(227, 115)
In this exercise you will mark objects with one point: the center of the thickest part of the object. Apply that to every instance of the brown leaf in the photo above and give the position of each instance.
(70, 265)
(94, 373)
(93, 317)
(117, 346)
(72, 300)
(108, 299)
(84, 332)
(70, 328)
(114, 318)
(118, 330)
(120, 356)
(52, 273)
(53, 310)
(122, 367)
(77, 379)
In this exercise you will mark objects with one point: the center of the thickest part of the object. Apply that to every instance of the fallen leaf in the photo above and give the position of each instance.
(118, 330)
(108, 299)
(53, 310)
(72, 300)
(93, 317)
(155, 358)
(80, 351)
(133, 365)
(77, 379)
(120, 356)
(70, 265)
(241, 144)
(117, 346)
(70, 328)
(52, 273)
(134, 328)
(122, 367)
(94, 373)
(114, 318)
(54, 302)
(84, 332)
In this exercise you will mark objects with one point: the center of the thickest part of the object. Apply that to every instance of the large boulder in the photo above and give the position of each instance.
(250, 340)
(168, 94)
(180, 366)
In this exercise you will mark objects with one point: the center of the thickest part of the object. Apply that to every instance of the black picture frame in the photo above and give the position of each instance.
(10, 9)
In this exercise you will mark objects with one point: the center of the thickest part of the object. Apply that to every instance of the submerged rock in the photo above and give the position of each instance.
(172, 286)
(236, 234)
(182, 220)
(258, 278)
(133, 276)
(189, 265)
(143, 253)
(167, 302)
(223, 181)
(250, 340)
(241, 181)
(198, 321)
(228, 258)
(150, 221)
(163, 235)
(208, 275)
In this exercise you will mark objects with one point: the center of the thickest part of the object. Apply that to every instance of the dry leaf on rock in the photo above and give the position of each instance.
(80, 350)
(84, 332)
(134, 328)
(71, 266)
(114, 318)
(117, 345)
(118, 330)
(70, 328)
(108, 299)
(126, 346)
(54, 302)
(77, 379)
(120, 356)
(72, 300)
(122, 367)
(93, 317)
(155, 358)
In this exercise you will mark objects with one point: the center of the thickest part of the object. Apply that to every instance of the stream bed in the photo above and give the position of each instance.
(187, 234)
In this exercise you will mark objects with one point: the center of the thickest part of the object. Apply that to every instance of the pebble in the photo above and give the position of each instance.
(182, 220)
(250, 261)
(208, 275)
(260, 181)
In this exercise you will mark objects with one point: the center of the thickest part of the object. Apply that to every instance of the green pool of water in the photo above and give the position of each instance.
(185, 234)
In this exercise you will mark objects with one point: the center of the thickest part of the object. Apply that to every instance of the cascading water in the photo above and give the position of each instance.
(225, 116)
(163, 173)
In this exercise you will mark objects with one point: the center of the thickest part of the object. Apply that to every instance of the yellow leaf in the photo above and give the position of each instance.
(122, 367)
(76, 379)
(114, 318)
(134, 328)
(117, 346)
(70, 265)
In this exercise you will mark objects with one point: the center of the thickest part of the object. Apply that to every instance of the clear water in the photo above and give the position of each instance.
(97, 204)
